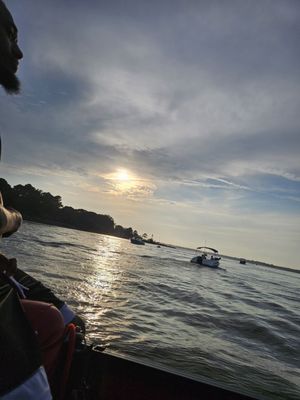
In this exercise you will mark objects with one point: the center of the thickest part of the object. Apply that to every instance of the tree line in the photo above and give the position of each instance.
(38, 206)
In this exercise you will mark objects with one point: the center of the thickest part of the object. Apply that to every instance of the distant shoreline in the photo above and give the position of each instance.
(255, 262)
(67, 226)
(263, 264)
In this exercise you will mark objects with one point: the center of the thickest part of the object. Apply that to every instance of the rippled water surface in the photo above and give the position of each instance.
(239, 325)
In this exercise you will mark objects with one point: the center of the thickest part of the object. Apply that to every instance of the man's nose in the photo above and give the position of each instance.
(17, 52)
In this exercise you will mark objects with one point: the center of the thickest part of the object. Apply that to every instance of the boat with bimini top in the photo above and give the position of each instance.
(209, 257)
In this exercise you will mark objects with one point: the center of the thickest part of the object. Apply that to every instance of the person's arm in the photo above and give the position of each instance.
(38, 292)
(10, 220)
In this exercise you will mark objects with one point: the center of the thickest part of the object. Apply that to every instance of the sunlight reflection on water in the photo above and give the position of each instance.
(241, 324)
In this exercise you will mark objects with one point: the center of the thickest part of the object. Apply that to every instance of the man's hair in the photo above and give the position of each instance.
(3, 4)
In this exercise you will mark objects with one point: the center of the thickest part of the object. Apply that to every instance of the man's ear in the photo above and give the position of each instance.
(1, 200)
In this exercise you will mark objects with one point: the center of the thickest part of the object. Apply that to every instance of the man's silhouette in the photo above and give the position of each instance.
(10, 53)
(31, 328)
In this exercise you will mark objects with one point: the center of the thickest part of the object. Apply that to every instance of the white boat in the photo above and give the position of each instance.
(209, 260)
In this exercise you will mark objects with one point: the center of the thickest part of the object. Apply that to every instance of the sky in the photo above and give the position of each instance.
(177, 118)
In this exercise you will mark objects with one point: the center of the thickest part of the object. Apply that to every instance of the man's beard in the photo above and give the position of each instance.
(9, 81)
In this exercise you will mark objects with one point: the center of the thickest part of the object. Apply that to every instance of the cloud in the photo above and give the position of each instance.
(199, 99)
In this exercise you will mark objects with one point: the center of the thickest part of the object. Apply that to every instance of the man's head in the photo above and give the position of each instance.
(10, 53)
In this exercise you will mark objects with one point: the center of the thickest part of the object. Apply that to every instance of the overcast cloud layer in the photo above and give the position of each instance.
(198, 100)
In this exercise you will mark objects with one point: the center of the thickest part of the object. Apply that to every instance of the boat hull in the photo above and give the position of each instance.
(111, 377)
(137, 241)
(212, 263)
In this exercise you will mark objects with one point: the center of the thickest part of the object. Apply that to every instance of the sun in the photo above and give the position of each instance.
(122, 175)
(123, 182)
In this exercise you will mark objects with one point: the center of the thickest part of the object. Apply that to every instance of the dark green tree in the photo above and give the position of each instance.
(36, 205)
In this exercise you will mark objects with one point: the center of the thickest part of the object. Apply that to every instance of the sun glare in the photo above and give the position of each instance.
(122, 175)
(125, 183)
(122, 181)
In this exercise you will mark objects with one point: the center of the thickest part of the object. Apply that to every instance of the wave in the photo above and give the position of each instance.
(241, 327)
(61, 244)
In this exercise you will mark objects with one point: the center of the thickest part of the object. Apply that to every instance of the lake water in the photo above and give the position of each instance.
(239, 325)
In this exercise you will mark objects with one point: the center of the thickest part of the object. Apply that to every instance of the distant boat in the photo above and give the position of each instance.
(209, 260)
(242, 261)
(137, 240)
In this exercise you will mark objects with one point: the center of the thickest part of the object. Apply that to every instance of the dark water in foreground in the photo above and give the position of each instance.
(239, 325)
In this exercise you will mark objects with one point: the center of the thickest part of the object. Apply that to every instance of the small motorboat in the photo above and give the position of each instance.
(137, 240)
(242, 261)
(209, 257)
